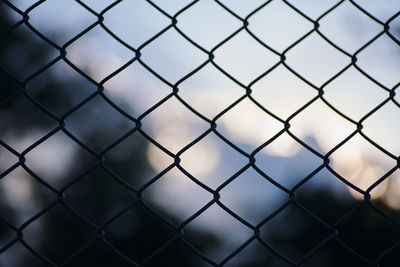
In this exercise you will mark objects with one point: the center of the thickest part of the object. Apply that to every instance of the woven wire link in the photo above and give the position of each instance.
(137, 128)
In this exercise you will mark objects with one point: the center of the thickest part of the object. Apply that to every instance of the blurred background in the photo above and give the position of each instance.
(98, 191)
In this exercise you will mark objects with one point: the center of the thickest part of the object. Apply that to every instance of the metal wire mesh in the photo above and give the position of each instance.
(332, 230)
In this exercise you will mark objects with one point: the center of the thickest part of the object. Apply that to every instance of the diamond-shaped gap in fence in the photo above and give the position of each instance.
(345, 91)
(316, 60)
(293, 240)
(98, 54)
(24, 53)
(98, 196)
(381, 128)
(59, 26)
(243, 9)
(138, 232)
(135, 90)
(244, 58)
(325, 126)
(129, 160)
(23, 120)
(176, 196)
(380, 12)
(282, 93)
(379, 61)
(58, 159)
(97, 124)
(257, 255)
(250, 189)
(173, 125)
(209, 91)
(361, 164)
(24, 196)
(60, 88)
(8, 257)
(212, 161)
(348, 28)
(312, 8)
(278, 25)
(135, 22)
(172, 56)
(219, 20)
(287, 169)
(322, 190)
(248, 126)
(367, 232)
(228, 232)
(58, 233)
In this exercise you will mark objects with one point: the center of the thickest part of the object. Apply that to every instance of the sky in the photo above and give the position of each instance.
(209, 92)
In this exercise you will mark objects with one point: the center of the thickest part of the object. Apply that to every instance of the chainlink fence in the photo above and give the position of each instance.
(33, 237)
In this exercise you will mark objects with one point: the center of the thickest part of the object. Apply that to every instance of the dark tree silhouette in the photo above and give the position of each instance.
(96, 216)
(99, 217)
(366, 232)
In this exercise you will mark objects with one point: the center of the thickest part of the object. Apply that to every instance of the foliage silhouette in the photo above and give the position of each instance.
(99, 196)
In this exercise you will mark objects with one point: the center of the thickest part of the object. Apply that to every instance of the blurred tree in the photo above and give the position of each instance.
(98, 196)
(295, 234)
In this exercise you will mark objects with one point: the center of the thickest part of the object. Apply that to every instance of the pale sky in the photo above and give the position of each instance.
(209, 91)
